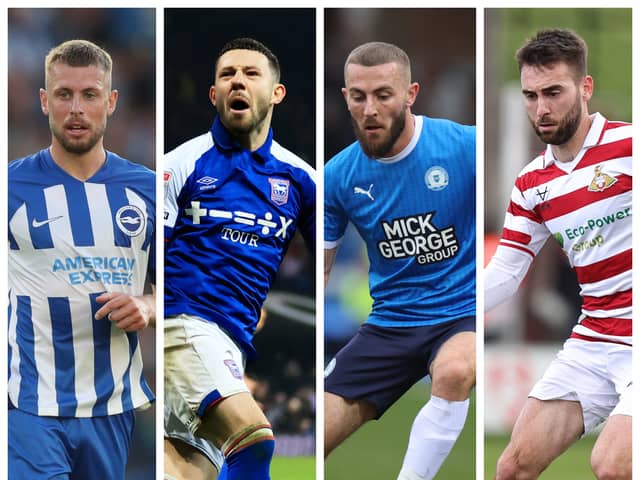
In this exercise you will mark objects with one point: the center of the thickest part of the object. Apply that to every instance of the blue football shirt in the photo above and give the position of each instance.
(230, 215)
(416, 213)
(70, 241)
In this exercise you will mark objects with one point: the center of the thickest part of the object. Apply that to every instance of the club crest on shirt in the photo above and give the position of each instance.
(601, 181)
(436, 178)
(279, 190)
(130, 220)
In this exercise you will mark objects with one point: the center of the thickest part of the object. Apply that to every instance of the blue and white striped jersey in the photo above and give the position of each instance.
(230, 215)
(70, 241)
(416, 213)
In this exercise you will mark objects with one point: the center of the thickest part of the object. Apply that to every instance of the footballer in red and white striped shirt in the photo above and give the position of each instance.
(586, 205)
(578, 191)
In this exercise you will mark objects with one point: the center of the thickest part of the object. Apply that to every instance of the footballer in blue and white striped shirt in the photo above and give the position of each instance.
(81, 229)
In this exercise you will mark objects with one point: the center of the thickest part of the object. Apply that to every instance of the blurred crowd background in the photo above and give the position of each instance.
(441, 62)
(283, 375)
(193, 38)
(441, 46)
(128, 34)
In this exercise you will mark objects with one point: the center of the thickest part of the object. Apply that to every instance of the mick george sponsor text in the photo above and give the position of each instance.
(416, 236)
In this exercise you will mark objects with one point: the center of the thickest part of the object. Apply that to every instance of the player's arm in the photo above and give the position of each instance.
(523, 236)
(329, 259)
(306, 221)
(503, 275)
(335, 217)
(128, 312)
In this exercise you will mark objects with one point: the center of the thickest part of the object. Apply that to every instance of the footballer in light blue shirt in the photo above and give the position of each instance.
(408, 187)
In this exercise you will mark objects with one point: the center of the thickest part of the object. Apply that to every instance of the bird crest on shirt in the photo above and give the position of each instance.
(601, 181)
(130, 220)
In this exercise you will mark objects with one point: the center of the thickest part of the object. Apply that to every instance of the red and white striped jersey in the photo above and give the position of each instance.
(586, 206)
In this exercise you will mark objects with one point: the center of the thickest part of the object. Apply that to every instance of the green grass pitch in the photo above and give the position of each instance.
(293, 468)
(377, 449)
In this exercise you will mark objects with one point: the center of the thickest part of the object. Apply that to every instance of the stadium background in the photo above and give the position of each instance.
(283, 376)
(441, 46)
(523, 335)
(129, 36)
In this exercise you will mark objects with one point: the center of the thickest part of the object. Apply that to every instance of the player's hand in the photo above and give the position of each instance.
(127, 312)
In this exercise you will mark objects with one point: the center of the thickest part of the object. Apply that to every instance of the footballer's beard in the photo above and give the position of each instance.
(566, 128)
(245, 127)
(380, 148)
(78, 146)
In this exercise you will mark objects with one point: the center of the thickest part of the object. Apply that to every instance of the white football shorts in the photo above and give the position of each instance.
(596, 374)
(173, 428)
(202, 365)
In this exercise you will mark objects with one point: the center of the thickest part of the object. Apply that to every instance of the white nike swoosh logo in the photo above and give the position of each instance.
(37, 224)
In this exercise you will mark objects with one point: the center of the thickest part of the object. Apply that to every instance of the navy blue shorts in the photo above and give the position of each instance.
(64, 448)
(379, 364)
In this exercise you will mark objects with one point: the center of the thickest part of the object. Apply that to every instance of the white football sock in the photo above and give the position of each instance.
(434, 431)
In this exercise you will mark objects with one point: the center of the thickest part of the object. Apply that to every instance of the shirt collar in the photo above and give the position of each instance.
(593, 138)
(417, 131)
(225, 141)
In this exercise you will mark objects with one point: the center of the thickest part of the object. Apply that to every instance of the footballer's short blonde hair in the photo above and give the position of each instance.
(79, 53)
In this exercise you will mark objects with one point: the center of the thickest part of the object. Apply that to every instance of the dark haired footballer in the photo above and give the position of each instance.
(234, 199)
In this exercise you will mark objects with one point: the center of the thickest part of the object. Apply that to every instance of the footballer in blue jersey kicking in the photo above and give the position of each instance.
(81, 240)
(233, 201)
(408, 186)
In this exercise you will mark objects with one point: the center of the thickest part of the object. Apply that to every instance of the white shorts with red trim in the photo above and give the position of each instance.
(202, 365)
(596, 374)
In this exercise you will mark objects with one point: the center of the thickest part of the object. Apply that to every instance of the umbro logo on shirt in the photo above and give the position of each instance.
(207, 182)
(36, 224)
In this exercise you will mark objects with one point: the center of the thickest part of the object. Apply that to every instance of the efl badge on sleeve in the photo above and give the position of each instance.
(233, 368)
(167, 177)
(279, 190)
